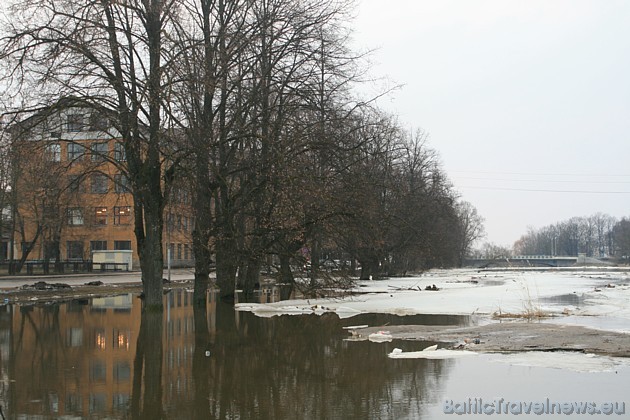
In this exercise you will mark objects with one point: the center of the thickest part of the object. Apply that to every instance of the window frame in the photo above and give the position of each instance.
(128, 245)
(100, 216)
(70, 251)
(74, 215)
(75, 122)
(122, 184)
(97, 187)
(53, 152)
(75, 151)
(99, 155)
(124, 216)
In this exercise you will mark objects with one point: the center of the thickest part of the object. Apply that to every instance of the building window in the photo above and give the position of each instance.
(51, 250)
(119, 152)
(99, 184)
(53, 152)
(122, 371)
(75, 184)
(179, 251)
(74, 337)
(100, 216)
(75, 123)
(98, 246)
(75, 216)
(121, 182)
(185, 251)
(74, 250)
(99, 151)
(98, 122)
(122, 245)
(122, 215)
(75, 151)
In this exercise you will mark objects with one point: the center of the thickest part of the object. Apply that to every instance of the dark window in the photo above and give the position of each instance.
(120, 402)
(121, 182)
(98, 245)
(75, 122)
(122, 371)
(98, 371)
(51, 250)
(75, 151)
(73, 403)
(119, 152)
(99, 184)
(185, 251)
(122, 215)
(75, 216)
(74, 250)
(75, 184)
(122, 245)
(100, 216)
(98, 122)
(179, 251)
(99, 151)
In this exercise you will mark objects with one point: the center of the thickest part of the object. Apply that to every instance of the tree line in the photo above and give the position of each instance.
(598, 236)
(251, 106)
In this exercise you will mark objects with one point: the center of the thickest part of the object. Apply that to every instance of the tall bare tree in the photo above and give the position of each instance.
(109, 54)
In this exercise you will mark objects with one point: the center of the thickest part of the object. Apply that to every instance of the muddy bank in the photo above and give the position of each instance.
(513, 337)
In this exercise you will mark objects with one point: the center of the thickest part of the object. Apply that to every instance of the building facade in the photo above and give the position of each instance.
(72, 195)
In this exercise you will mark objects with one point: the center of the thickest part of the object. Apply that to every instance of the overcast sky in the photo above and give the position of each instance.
(525, 100)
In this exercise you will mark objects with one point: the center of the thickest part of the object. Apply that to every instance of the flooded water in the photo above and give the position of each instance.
(103, 358)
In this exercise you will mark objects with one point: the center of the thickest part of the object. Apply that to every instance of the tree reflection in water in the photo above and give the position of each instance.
(108, 359)
(147, 368)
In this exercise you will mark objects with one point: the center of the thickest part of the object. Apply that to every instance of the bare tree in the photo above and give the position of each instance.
(471, 225)
(110, 55)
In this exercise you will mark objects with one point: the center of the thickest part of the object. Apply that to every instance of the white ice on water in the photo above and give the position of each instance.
(600, 294)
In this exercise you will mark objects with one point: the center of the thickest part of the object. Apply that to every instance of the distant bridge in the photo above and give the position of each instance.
(524, 261)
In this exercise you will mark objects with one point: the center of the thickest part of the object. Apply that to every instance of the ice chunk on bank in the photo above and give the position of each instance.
(380, 337)
(429, 353)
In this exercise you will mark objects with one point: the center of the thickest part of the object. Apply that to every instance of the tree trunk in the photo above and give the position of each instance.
(150, 252)
(227, 263)
(286, 277)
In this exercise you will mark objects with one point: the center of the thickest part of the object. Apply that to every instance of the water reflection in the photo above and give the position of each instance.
(105, 358)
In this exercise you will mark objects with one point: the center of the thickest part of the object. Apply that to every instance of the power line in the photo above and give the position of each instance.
(542, 174)
(551, 191)
(543, 180)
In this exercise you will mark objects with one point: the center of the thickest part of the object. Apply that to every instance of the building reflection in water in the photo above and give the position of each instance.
(105, 358)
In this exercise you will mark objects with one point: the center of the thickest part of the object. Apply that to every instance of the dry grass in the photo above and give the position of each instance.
(531, 309)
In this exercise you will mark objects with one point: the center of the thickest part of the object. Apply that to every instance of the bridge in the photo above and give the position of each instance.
(528, 261)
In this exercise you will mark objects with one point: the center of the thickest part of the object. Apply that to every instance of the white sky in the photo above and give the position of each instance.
(516, 95)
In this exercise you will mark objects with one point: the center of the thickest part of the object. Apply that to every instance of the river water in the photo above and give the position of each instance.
(103, 358)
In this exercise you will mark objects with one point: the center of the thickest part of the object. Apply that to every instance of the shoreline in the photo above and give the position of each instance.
(512, 336)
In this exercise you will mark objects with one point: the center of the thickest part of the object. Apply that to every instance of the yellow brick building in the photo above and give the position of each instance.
(71, 192)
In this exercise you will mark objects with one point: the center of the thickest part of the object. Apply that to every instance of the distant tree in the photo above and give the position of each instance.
(621, 235)
(471, 227)
(591, 235)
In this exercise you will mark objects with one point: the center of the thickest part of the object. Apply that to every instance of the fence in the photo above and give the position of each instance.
(43, 267)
